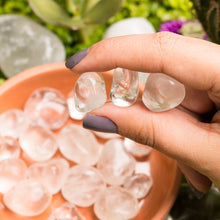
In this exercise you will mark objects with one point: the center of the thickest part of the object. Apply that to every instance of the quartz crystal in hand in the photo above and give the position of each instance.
(162, 92)
(116, 203)
(47, 107)
(28, 198)
(89, 92)
(125, 87)
(83, 185)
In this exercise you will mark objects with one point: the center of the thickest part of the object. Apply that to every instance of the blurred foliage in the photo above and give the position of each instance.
(208, 14)
(188, 207)
(155, 11)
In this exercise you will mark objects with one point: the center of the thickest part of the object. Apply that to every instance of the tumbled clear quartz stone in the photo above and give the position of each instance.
(73, 112)
(9, 148)
(139, 185)
(38, 143)
(89, 92)
(105, 135)
(11, 172)
(67, 211)
(79, 145)
(12, 123)
(162, 92)
(136, 149)
(47, 107)
(125, 87)
(28, 198)
(115, 163)
(83, 185)
(116, 203)
(51, 174)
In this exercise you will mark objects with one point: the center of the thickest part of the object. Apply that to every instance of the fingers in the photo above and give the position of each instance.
(198, 183)
(173, 132)
(191, 61)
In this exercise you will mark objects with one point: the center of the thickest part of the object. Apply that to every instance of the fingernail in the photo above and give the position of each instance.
(195, 191)
(99, 123)
(76, 58)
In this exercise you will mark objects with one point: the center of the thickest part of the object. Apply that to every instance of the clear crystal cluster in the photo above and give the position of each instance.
(38, 161)
(161, 92)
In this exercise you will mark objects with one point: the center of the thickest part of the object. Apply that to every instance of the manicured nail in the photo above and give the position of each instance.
(76, 58)
(195, 191)
(99, 123)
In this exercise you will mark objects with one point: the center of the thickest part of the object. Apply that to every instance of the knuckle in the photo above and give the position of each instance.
(164, 43)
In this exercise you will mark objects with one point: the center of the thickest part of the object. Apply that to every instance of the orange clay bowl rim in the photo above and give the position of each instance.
(49, 68)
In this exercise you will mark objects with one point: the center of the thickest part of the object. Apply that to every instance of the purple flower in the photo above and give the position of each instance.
(172, 26)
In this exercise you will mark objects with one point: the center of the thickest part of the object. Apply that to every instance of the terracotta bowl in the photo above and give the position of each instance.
(165, 173)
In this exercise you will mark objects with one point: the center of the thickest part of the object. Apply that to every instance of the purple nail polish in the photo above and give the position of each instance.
(99, 123)
(76, 58)
(195, 191)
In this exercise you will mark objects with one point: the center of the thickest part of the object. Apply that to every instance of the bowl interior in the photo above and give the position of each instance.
(164, 170)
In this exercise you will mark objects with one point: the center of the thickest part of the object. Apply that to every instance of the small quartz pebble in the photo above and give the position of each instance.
(89, 92)
(83, 185)
(66, 211)
(162, 92)
(12, 123)
(105, 135)
(136, 149)
(139, 185)
(38, 143)
(116, 203)
(115, 163)
(79, 145)
(11, 172)
(51, 174)
(125, 87)
(9, 148)
(47, 107)
(73, 112)
(28, 198)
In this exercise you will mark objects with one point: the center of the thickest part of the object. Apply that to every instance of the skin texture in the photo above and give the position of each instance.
(179, 133)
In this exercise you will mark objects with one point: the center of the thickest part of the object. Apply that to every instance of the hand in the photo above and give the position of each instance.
(180, 132)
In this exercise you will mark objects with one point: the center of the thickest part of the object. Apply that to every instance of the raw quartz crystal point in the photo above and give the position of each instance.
(67, 211)
(125, 87)
(115, 164)
(51, 173)
(116, 203)
(162, 92)
(28, 198)
(25, 44)
(89, 92)
(47, 107)
(83, 185)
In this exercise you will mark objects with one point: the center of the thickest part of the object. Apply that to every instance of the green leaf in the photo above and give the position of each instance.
(102, 11)
(50, 12)
(76, 6)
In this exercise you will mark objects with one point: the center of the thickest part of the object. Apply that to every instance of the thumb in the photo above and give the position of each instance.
(174, 133)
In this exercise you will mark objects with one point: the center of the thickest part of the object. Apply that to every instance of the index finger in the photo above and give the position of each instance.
(193, 62)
